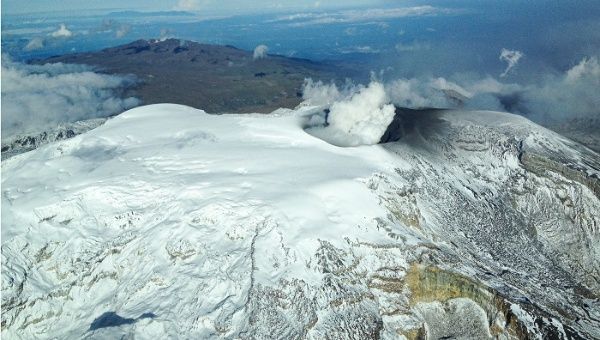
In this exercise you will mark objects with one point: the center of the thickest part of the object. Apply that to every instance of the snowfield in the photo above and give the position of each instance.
(167, 222)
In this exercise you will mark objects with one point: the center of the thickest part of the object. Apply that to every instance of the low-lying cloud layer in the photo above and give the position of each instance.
(355, 16)
(36, 97)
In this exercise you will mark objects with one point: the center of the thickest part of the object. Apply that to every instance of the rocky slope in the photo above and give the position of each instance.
(168, 222)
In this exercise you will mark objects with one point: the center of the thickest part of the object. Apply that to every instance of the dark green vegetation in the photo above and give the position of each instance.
(209, 77)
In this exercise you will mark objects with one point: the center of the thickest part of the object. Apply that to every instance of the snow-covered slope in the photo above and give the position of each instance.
(166, 222)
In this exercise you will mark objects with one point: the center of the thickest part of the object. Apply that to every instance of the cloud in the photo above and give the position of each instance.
(412, 47)
(28, 30)
(187, 5)
(410, 93)
(351, 31)
(36, 97)
(426, 93)
(260, 52)
(62, 32)
(364, 117)
(358, 117)
(511, 58)
(166, 33)
(122, 31)
(353, 16)
(36, 43)
(359, 49)
(572, 94)
(553, 99)
(588, 68)
(110, 25)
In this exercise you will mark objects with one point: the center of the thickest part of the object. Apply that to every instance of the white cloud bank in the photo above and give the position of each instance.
(36, 97)
(62, 32)
(353, 16)
(166, 33)
(260, 52)
(430, 93)
(511, 58)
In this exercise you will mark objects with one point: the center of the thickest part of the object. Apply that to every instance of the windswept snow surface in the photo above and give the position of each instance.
(167, 222)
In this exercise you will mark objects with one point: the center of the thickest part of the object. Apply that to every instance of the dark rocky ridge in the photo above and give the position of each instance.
(408, 121)
(213, 78)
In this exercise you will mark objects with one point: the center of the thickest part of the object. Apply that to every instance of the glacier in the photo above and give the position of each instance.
(167, 222)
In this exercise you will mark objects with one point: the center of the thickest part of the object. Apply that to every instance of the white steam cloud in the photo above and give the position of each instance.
(511, 58)
(320, 94)
(62, 32)
(260, 52)
(36, 97)
(572, 95)
(587, 69)
(413, 47)
(365, 116)
(431, 93)
(359, 118)
(360, 115)
(410, 93)
(165, 33)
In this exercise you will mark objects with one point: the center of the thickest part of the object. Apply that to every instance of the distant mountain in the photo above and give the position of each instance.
(214, 78)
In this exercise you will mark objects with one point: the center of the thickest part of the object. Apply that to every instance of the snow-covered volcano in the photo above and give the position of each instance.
(167, 222)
